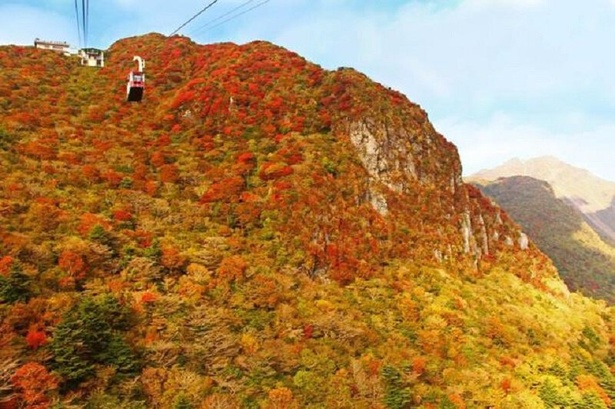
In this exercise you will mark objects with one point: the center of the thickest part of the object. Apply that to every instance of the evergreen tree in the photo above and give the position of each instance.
(15, 287)
(91, 334)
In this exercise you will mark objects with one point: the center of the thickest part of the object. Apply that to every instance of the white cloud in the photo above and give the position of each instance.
(487, 145)
(507, 3)
(545, 64)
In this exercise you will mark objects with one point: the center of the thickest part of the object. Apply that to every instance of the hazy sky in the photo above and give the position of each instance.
(499, 78)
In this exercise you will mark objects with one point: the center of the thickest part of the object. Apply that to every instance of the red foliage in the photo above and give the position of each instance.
(171, 258)
(274, 170)
(246, 157)
(418, 365)
(91, 173)
(148, 297)
(227, 189)
(34, 384)
(169, 173)
(158, 158)
(140, 173)
(182, 98)
(88, 221)
(6, 263)
(144, 238)
(73, 264)
(163, 140)
(35, 338)
(112, 177)
(308, 331)
(232, 268)
(122, 215)
(248, 197)
(506, 384)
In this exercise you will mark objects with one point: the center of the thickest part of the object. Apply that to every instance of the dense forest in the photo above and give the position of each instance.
(584, 260)
(261, 233)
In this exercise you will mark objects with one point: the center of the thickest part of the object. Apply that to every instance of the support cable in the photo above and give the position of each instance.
(77, 19)
(85, 40)
(193, 17)
(238, 14)
(87, 22)
(210, 22)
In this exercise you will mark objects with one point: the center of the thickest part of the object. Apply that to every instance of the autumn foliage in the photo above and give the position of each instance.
(229, 242)
(34, 385)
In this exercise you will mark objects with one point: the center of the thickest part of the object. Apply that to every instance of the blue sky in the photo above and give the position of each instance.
(499, 78)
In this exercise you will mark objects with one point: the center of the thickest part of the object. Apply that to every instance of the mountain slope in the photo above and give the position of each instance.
(584, 261)
(592, 196)
(262, 233)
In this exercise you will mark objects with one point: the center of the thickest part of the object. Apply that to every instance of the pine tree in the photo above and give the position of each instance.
(15, 286)
(91, 334)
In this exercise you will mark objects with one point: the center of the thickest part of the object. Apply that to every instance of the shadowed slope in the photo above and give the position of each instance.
(585, 262)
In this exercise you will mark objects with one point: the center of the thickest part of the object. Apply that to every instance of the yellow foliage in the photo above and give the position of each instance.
(249, 344)
(325, 305)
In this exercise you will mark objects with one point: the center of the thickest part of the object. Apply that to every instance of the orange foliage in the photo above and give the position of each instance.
(35, 338)
(280, 398)
(171, 258)
(34, 384)
(169, 173)
(419, 364)
(144, 238)
(588, 383)
(158, 159)
(274, 170)
(122, 215)
(457, 401)
(227, 189)
(91, 172)
(232, 268)
(148, 297)
(506, 385)
(73, 264)
(5, 265)
(151, 187)
(89, 221)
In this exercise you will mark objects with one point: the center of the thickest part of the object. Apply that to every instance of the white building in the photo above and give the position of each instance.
(92, 57)
(58, 46)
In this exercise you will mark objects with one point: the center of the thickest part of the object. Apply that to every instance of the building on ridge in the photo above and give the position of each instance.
(58, 46)
(92, 57)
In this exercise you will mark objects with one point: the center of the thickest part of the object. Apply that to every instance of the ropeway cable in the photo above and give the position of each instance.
(193, 17)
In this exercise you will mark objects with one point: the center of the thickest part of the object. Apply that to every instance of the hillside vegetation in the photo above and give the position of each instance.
(585, 262)
(592, 196)
(262, 233)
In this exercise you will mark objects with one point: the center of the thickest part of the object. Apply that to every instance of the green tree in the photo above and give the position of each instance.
(397, 395)
(92, 334)
(15, 286)
(551, 396)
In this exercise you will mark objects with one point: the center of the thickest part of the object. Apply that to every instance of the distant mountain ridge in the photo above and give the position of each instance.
(583, 259)
(594, 197)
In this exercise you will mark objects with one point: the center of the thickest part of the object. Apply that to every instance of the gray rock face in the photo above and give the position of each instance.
(397, 159)
(386, 155)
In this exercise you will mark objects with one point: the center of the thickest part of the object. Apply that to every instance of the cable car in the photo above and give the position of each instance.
(136, 82)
